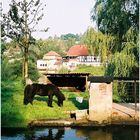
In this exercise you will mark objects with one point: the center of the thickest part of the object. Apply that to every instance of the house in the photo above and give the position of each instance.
(78, 54)
(50, 63)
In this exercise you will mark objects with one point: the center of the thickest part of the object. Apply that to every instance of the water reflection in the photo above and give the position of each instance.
(98, 134)
(110, 133)
(47, 134)
(107, 133)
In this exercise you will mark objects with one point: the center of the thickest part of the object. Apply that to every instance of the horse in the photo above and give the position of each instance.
(43, 90)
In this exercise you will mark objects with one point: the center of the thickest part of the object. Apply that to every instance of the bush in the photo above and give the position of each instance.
(120, 64)
(63, 70)
(33, 72)
(97, 71)
(6, 70)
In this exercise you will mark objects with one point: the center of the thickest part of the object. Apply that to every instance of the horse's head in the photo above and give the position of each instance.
(61, 99)
(27, 95)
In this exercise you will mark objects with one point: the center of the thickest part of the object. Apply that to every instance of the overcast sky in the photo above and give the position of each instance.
(63, 16)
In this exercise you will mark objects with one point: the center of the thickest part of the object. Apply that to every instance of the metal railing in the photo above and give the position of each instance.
(126, 90)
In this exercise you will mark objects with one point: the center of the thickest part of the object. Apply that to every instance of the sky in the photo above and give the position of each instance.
(63, 16)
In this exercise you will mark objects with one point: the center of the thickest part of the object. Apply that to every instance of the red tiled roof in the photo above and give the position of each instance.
(52, 53)
(77, 50)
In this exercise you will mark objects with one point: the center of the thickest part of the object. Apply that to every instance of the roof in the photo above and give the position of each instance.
(51, 53)
(66, 74)
(78, 50)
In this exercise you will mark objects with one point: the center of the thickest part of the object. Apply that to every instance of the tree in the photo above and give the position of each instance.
(116, 17)
(70, 39)
(120, 20)
(19, 23)
(98, 43)
(89, 38)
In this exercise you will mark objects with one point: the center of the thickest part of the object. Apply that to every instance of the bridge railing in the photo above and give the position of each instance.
(125, 90)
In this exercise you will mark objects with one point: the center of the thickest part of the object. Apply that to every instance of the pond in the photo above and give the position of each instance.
(105, 133)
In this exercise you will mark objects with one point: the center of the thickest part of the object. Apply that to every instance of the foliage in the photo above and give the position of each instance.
(70, 39)
(90, 39)
(96, 71)
(42, 47)
(98, 43)
(120, 20)
(63, 70)
(13, 70)
(19, 23)
(3, 48)
(116, 17)
(33, 72)
(6, 71)
(70, 36)
(120, 64)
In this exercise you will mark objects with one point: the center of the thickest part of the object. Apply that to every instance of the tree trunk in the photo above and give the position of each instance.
(23, 69)
(26, 63)
(25, 66)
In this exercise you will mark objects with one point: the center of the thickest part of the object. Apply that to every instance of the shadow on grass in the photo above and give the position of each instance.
(43, 99)
(83, 105)
(10, 112)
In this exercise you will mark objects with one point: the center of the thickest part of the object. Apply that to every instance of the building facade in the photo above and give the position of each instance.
(50, 63)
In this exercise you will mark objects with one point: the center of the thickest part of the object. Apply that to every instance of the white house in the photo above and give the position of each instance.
(41, 64)
(50, 63)
(78, 54)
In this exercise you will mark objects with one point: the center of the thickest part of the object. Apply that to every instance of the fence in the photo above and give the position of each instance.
(125, 90)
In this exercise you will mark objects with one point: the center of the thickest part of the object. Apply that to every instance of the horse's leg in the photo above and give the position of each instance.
(50, 100)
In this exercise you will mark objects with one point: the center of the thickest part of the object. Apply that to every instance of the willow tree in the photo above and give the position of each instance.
(98, 43)
(19, 24)
(120, 20)
(116, 17)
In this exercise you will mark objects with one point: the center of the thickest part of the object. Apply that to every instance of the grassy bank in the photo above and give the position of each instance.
(96, 71)
(15, 114)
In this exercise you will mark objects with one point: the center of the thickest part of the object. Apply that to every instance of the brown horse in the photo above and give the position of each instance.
(43, 90)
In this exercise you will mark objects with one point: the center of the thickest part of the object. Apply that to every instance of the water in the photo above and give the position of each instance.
(106, 133)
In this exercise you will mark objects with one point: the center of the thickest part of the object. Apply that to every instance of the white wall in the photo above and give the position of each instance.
(42, 64)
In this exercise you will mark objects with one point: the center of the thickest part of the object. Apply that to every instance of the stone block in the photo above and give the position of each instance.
(81, 114)
(100, 102)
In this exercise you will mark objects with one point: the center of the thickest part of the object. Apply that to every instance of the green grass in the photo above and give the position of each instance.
(15, 114)
(96, 71)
